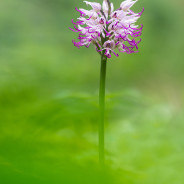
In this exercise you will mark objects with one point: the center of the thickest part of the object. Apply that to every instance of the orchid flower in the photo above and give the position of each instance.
(102, 24)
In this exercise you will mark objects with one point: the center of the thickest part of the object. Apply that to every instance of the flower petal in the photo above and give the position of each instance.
(96, 6)
(105, 8)
(127, 4)
(112, 7)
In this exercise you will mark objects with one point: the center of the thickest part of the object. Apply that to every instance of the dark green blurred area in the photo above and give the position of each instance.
(49, 98)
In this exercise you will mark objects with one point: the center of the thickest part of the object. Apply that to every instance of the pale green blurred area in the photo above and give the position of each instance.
(49, 98)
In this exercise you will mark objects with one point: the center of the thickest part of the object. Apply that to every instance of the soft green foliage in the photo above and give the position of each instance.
(49, 99)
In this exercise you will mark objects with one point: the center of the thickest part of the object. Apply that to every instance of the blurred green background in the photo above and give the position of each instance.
(49, 98)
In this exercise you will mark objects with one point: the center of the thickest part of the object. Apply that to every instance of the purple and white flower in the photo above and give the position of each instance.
(108, 30)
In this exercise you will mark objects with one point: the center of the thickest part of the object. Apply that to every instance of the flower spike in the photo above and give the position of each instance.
(107, 29)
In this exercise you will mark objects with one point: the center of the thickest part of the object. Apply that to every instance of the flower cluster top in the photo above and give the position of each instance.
(108, 29)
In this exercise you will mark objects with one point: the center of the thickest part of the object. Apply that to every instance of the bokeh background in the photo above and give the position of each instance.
(49, 98)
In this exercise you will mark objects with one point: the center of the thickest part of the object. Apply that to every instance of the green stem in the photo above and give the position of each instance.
(102, 107)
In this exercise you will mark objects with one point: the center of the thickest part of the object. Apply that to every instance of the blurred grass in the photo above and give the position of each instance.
(49, 99)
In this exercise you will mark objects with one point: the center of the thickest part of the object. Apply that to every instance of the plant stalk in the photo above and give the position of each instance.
(102, 107)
